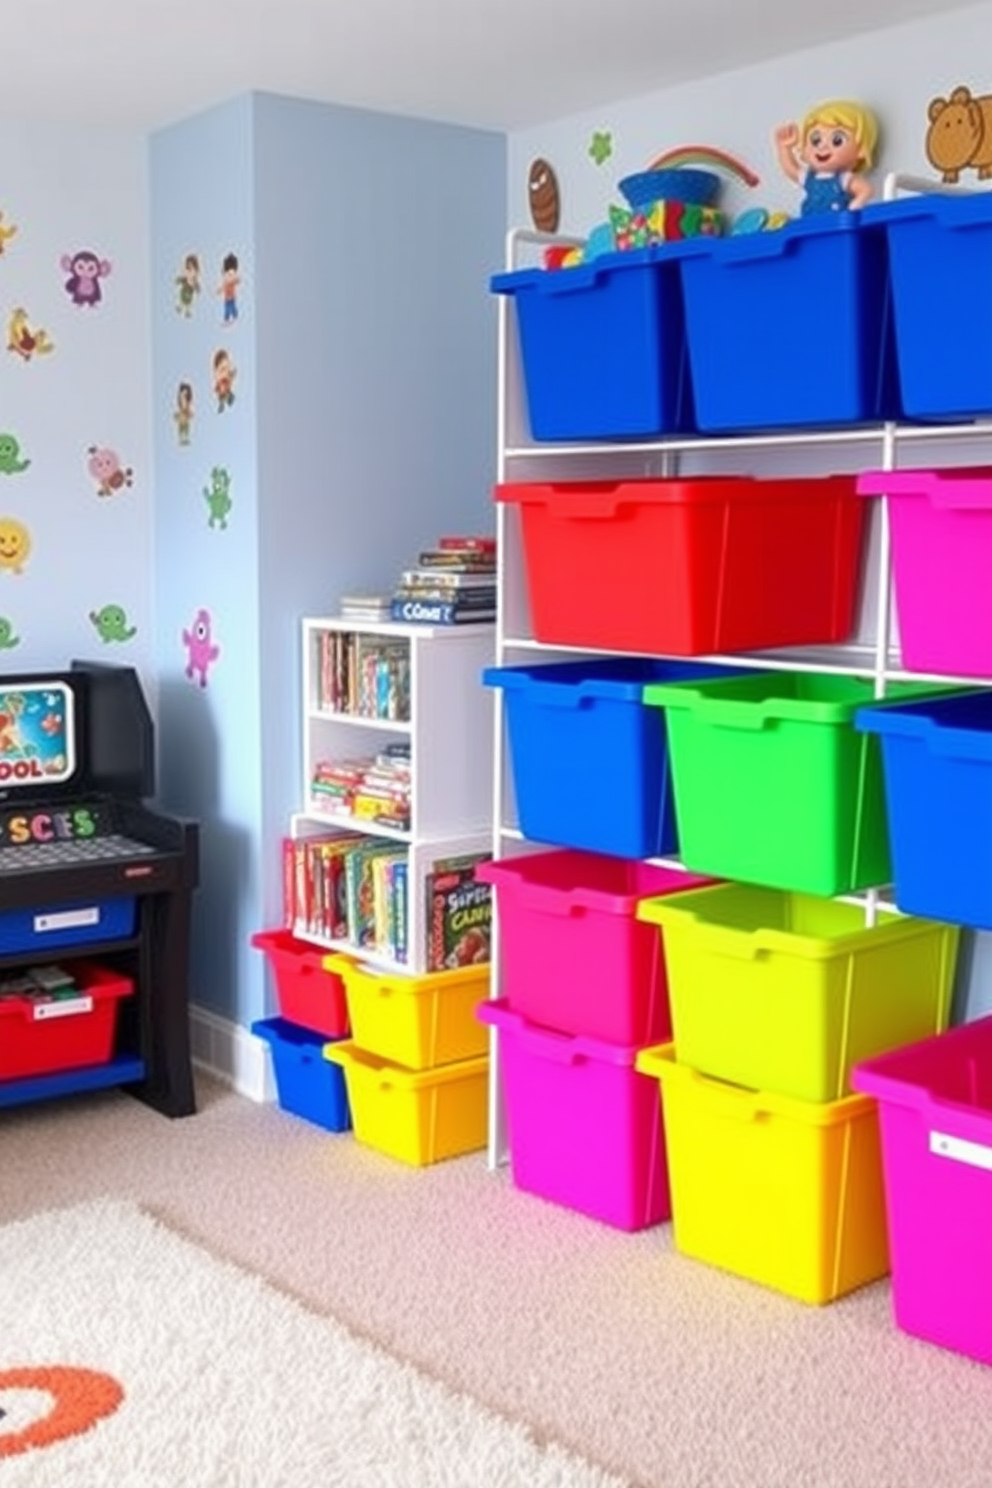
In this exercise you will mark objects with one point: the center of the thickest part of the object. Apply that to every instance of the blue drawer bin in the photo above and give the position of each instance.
(603, 346)
(306, 1083)
(790, 327)
(937, 764)
(57, 926)
(940, 256)
(590, 761)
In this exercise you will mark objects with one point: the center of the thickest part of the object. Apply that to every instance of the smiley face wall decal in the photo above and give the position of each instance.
(542, 192)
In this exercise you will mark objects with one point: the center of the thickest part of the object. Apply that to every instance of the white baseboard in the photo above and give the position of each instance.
(232, 1054)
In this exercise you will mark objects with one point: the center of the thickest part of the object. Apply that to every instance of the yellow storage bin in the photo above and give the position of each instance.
(783, 1192)
(419, 1022)
(418, 1116)
(785, 993)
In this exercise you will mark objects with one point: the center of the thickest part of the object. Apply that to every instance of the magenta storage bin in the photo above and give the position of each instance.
(935, 1108)
(585, 1127)
(941, 523)
(573, 956)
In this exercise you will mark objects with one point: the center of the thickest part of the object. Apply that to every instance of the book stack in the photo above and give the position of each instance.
(453, 583)
(365, 675)
(375, 789)
(347, 888)
(365, 607)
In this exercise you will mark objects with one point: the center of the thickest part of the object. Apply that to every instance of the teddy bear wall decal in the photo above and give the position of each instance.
(959, 136)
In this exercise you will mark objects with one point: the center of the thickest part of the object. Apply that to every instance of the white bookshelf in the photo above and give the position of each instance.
(449, 726)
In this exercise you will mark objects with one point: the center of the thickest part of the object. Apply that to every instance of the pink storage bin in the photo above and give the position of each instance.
(585, 1128)
(935, 1109)
(941, 523)
(573, 956)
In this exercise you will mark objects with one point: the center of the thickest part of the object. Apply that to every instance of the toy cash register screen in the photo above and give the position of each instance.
(37, 735)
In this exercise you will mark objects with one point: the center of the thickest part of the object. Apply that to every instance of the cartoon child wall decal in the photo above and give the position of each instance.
(828, 156)
(224, 374)
(183, 412)
(85, 269)
(106, 468)
(201, 650)
(187, 285)
(230, 279)
(24, 340)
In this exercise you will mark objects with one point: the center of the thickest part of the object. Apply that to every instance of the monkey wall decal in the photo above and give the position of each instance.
(85, 269)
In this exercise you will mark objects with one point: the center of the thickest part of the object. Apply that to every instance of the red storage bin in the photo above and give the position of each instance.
(691, 567)
(40, 1036)
(308, 994)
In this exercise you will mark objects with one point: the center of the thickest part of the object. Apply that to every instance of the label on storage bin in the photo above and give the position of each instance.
(67, 919)
(972, 1153)
(62, 1007)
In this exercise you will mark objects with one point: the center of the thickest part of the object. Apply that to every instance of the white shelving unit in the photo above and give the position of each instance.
(874, 654)
(450, 730)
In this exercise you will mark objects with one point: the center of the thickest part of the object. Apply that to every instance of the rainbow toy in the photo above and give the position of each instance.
(704, 155)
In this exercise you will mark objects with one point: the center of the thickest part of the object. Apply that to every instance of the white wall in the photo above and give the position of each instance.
(895, 72)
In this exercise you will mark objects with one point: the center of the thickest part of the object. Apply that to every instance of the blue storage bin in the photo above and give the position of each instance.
(790, 327)
(937, 763)
(940, 256)
(590, 761)
(307, 1084)
(57, 926)
(603, 346)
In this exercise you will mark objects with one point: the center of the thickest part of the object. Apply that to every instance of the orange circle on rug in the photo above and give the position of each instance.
(81, 1399)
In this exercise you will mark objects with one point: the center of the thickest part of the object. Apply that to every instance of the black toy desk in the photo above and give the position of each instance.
(70, 862)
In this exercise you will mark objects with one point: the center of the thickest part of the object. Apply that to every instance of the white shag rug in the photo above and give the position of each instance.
(130, 1358)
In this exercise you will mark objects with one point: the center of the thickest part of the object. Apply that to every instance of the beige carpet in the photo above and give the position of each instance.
(645, 1363)
(130, 1358)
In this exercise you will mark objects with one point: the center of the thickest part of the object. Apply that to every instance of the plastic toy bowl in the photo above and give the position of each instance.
(694, 187)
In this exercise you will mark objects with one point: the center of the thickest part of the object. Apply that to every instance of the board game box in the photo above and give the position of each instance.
(459, 914)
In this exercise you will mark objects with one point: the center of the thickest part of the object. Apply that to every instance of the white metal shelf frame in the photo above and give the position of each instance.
(880, 661)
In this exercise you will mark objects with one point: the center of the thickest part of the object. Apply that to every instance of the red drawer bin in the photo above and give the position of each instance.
(308, 994)
(39, 1037)
(691, 567)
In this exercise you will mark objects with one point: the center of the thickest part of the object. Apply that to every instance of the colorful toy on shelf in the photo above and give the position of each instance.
(675, 198)
(829, 154)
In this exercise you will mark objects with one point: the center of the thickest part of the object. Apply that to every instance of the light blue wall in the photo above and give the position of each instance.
(376, 236)
(65, 190)
(364, 425)
(202, 201)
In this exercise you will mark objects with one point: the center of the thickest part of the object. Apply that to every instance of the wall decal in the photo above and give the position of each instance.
(8, 230)
(15, 544)
(110, 624)
(601, 146)
(10, 455)
(230, 279)
(542, 190)
(183, 412)
(201, 650)
(85, 269)
(8, 640)
(188, 285)
(224, 374)
(105, 466)
(960, 134)
(25, 341)
(218, 496)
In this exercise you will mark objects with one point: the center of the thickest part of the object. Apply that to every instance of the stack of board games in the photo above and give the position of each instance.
(459, 914)
(347, 888)
(371, 789)
(453, 583)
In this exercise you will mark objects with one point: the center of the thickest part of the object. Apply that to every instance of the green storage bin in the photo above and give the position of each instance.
(773, 784)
